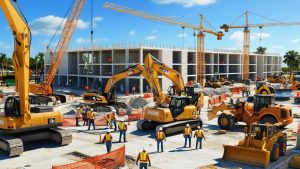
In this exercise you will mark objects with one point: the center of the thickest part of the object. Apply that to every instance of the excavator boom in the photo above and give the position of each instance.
(21, 55)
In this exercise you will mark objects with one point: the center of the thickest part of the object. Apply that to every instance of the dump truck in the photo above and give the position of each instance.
(262, 144)
(261, 109)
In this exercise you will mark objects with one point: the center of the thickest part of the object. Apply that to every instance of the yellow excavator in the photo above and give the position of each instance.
(21, 122)
(182, 108)
(108, 97)
(214, 83)
(262, 144)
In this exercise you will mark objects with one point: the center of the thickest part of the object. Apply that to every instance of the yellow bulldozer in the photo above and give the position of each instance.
(261, 109)
(262, 143)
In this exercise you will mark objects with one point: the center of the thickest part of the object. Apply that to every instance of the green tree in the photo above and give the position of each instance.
(2, 61)
(261, 50)
(291, 58)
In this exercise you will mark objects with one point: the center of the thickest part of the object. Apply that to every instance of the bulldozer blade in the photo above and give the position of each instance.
(248, 156)
(211, 115)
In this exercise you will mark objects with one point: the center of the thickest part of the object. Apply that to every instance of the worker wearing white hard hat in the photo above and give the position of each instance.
(91, 117)
(187, 134)
(143, 158)
(122, 128)
(160, 136)
(108, 140)
(199, 134)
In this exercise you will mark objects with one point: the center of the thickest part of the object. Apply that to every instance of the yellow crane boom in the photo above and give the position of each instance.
(200, 36)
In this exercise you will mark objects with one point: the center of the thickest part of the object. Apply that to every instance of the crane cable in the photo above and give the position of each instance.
(92, 22)
(59, 26)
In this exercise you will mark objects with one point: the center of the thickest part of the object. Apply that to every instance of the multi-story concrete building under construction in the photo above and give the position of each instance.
(92, 67)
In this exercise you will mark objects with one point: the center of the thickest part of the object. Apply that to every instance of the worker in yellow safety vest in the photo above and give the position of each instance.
(144, 159)
(78, 116)
(187, 134)
(108, 141)
(108, 120)
(91, 117)
(122, 128)
(160, 137)
(199, 134)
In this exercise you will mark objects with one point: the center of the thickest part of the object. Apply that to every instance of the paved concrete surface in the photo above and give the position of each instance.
(44, 155)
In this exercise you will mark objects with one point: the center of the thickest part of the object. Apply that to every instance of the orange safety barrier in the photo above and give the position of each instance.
(298, 94)
(235, 90)
(69, 122)
(298, 129)
(114, 159)
(135, 115)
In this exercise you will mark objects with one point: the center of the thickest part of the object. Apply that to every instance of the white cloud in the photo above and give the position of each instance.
(84, 40)
(151, 37)
(295, 41)
(181, 35)
(47, 25)
(132, 33)
(96, 20)
(259, 35)
(186, 3)
(238, 36)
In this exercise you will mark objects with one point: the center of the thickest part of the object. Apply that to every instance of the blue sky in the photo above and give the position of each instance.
(112, 27)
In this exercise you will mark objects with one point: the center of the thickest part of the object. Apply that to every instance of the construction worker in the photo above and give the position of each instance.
(108, 120)
(107, 140)
(84, 116)
(78, 116)
(114, 120)
(187, 134)
(91, 117)
(199, 134)
(160, 136)
(144, 159)
(122, 128)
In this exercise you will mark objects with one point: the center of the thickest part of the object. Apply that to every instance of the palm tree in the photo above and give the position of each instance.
(291, 58)
(261, 50)
(3, 61)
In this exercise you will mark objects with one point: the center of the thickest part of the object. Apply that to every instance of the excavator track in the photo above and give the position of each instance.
(169, 128)
(13, 144)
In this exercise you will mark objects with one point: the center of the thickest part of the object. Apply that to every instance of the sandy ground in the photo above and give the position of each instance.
(44, 155)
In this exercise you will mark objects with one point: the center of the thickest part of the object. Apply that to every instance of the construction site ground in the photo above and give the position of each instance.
(85, 143)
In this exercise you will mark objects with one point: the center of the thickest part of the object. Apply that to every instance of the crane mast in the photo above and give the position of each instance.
(200, 28)
(246, 42)
(63, 43)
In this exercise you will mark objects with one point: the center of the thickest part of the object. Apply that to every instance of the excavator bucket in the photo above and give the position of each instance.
(245, 155)
(281, 94)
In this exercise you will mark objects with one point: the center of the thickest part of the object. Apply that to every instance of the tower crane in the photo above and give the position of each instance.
(200, 28)
(246, 43)
(57, 55)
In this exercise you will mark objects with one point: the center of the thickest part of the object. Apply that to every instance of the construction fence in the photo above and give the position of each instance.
(112, 160)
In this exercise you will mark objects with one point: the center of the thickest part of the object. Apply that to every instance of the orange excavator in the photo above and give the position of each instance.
(45, 89)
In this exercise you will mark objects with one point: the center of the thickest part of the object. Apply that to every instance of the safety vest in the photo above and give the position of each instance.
(107, 137)
(160, 135)
(187, 131)
(143, 157)
(199, 133)
(122, 126)
(92, 115)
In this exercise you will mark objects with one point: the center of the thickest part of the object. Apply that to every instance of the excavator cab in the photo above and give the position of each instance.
(263, 100)
(178, 104)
